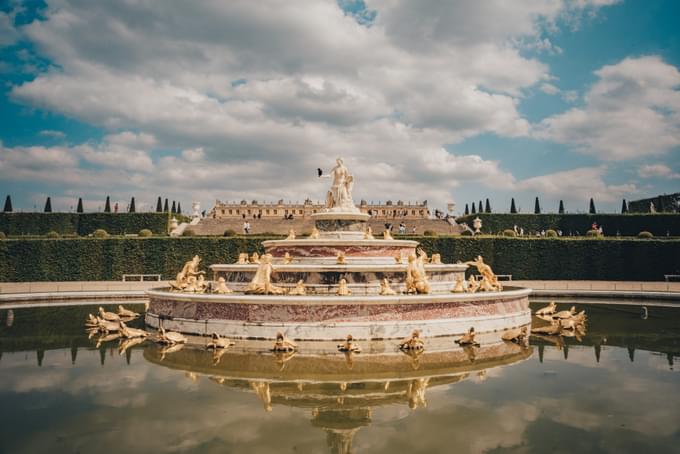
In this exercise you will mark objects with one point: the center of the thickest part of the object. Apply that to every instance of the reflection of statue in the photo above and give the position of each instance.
(190, 269)
(263, 392)
(416, 280)
(339, 196)
(261, 283)
(486, 272)
(416, 393)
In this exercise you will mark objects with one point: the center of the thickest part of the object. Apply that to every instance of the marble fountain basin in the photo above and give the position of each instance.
(324, 317)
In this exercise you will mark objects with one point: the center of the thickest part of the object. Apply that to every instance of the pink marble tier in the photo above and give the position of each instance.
(365, 249)
(332, 310)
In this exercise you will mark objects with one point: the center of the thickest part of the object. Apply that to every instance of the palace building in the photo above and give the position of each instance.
(270, 210)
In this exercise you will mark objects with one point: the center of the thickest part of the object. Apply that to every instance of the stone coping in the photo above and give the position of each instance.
(330, 242)
(240, 298)
(350, 267)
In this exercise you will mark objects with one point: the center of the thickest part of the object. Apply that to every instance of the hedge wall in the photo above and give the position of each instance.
(81, 223)
(524, 258)
(626, 224)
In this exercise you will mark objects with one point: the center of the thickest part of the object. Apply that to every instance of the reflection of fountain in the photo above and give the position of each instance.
(341, 399)
(339, 280)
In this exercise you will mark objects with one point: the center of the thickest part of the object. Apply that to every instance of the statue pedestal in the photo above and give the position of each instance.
(340, 225)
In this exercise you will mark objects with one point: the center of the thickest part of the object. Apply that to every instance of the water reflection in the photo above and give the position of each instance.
(611, 392)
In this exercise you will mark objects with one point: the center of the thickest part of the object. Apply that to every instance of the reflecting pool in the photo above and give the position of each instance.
(613, 390)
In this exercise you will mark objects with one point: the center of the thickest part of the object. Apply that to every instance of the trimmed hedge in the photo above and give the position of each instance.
(626, 224)
(81, 224)
(524, 258)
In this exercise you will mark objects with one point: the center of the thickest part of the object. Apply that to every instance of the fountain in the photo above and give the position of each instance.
(339, 280)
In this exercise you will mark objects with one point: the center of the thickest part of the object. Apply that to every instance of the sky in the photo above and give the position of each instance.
(444, 101)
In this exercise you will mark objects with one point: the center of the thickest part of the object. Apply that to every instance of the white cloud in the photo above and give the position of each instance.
(549, 89)
(633, 110)
(657, 170)
(52, 133)
(577, 185)
(313, 83)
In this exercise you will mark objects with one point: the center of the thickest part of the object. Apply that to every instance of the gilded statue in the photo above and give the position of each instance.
(485, 285)
(517, 335)
(218, 342)
(416, 280)
(255, 258)
(169, 337)
(261, 283)
(299, 289)
(412, 343)
(287, 259)
(468, 338)
(436, 259)
(242, 258)
(129, 333)
(397, 259)
(459, 286)
(315, 234)
(385, 289)
(349, 346)
(340, 258)
(126, 313)
(387, 235)
(472, 284)
(283, 345)
(201, 284)
(220, 287)
(368, 234)
(343, 289)
(190, 269)
(486, 272)
(550, 309)
(291, 235)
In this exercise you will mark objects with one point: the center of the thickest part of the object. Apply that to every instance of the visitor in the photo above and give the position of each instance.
(600, 230)
(594, 226)
(521, 231)
(388, 227)
(402, 228)
(413, 230)
(515, 229)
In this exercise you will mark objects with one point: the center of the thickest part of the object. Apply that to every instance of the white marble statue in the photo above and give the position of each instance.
(339, 197)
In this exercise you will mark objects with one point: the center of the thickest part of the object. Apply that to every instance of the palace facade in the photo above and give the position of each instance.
(271, 210)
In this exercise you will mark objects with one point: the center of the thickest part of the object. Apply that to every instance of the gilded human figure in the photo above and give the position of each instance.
(339, 197)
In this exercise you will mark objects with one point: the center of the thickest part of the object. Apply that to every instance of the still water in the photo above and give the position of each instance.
(614, 390)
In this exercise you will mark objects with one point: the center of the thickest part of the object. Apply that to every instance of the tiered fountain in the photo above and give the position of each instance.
(339, 280)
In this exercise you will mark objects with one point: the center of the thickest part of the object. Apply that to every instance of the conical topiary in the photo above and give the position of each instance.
(591, 209)
(537, 207)
(8, 204)
(79, 208)
(487, 206)
(159, 205)
(179, 208)
(107, 205)
(480, 209)
(132, 206)
(165, 206)
(624, 207)
(173, 210)
(48, 205)
(467, 209)
(513, 209)
(474, 209)
(561, 209)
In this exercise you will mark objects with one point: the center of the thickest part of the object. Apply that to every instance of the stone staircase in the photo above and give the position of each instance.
(217, 227)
